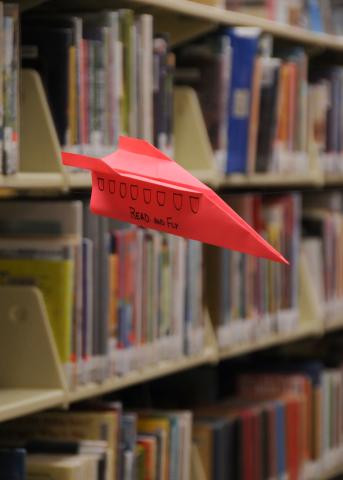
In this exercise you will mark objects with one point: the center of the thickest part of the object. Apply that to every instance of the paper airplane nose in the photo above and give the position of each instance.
(141, 185)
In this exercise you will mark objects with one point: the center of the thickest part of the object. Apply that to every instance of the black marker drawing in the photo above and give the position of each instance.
(161, 198)
(194, 203)
(147, 195)
(134, 192)
(123, 190)
(177, 200)
(101, 184)
(111, 186)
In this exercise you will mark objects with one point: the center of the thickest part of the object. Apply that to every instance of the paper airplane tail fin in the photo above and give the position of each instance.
(83, 161)
(141, 147)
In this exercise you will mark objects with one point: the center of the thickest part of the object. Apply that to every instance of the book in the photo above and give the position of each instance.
(12, 464)
(206, 66)
(244, 43)
(10, 154)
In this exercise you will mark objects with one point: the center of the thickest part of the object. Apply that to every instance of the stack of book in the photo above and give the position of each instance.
(322, 245)
(9, 88)
(101, 442)
(118, 297)
(105, 74)
(255, 297)
(284, 421)
(256, 105)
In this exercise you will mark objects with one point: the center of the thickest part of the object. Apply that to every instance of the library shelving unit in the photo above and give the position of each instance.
(41, 169)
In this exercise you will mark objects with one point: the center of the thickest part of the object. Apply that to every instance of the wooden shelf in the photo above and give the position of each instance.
(79, 180)
(274, 340)
(334, 179)
(332, 473)
(19, 402)
(334, 325)
(32, 181)
(161, 369)
(55, 181)
(226, 17)
(270, 180)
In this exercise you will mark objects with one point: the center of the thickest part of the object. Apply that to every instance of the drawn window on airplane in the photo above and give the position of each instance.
(111, 186)
(161, 198)
(101, 184)
(134, 192)
(194, 204)
(147, 195)
(123, 190)
(177, 200)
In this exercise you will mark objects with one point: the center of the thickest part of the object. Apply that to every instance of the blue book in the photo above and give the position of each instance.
(314, 16)
(281, 453)
(12, 464)
(244, 43)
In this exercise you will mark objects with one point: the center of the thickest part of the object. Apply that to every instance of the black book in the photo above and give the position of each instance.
(12, 464)
(268, 113)
(54, 51)
(47, 51)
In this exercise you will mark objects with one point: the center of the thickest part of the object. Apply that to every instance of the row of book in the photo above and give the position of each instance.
(265, 109)
(109, 74)
(326, 120)
(121, 297)
(249, 298)
(105, 74)
(100, 442)
(284, 420)
(118, 297)
(9, 88)
(315, 15)
(127, 297)
(253, 298)
(322, 226)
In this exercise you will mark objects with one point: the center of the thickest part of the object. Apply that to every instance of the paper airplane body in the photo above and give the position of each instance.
(140, 185)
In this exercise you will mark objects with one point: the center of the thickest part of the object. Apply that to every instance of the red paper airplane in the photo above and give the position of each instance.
(139, 184)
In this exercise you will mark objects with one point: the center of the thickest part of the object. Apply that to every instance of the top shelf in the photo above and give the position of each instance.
(207, 16)
(230, 18)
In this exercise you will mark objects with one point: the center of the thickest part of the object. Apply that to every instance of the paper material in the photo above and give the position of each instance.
(141, 185)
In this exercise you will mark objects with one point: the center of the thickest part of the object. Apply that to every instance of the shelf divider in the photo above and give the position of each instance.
(192, 148)
(28, 353)
(40, 151)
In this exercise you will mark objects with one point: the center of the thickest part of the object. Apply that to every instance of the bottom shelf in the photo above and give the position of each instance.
(20, 402)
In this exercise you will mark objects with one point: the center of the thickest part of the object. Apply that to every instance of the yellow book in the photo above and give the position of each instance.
(55, 279)
(152, 425)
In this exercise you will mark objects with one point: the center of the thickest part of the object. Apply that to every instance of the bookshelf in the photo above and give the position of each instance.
(31, 385)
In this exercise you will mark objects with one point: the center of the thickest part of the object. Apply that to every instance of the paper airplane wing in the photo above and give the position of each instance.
(140, 185)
